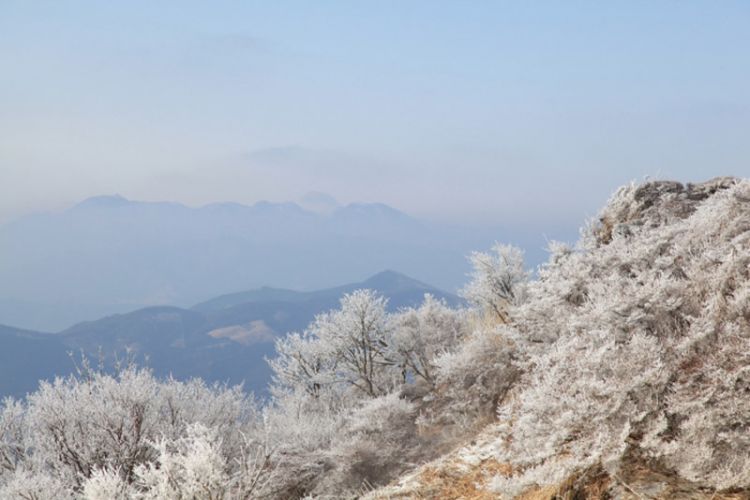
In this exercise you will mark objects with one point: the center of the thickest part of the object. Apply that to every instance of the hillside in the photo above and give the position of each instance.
(222, 340)
(634, 352)
(400, 289)
(27, 357)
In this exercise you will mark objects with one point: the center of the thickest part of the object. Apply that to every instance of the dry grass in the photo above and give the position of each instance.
(545, 493)
(455, 481)
(595, 484)
(592, 484)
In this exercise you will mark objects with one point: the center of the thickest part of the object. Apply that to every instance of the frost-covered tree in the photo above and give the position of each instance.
(303, 362)
(336, 419)
(359, 334)
(347, 347)
(422, 334)
(497, 281)
(333, 431)
(12, 452)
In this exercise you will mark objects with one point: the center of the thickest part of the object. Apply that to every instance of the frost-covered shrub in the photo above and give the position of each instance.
(363, 452)
(194, 466)
(638, 341)
(301, 428)
(583, 399)
(473, 379)
(31, 484)
(187, 467)
(107, 484)
(81, 431)
(107, 421)
(323, 451)
(103, 422)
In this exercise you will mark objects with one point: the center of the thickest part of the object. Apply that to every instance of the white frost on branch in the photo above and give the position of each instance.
(498, 280)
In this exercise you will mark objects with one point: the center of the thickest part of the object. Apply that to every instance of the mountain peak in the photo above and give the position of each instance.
(318, 202)
(267, 207)
(104, 201)
(393, 280)
(371, 208)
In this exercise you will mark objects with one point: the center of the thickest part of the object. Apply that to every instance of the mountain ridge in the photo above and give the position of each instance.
(387, 279)
(221, 340)
(110, 254)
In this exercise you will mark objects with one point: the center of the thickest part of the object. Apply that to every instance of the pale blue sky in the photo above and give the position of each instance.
(504, 112)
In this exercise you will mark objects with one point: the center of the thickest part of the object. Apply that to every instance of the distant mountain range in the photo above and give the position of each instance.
(112, 255)
(223, 339)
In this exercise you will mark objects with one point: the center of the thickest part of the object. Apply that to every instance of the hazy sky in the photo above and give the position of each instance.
(504, 112)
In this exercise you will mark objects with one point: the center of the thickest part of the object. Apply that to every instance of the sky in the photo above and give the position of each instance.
(515, 113)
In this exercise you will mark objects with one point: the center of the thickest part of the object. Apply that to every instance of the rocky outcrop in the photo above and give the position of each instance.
(656, 203)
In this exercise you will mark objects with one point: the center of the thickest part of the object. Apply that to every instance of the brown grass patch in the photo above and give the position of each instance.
(539, 493)
(453, 483)
(592, 484)
(596, 484)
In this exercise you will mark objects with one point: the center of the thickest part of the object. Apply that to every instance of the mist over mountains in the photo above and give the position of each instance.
(109, 254)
